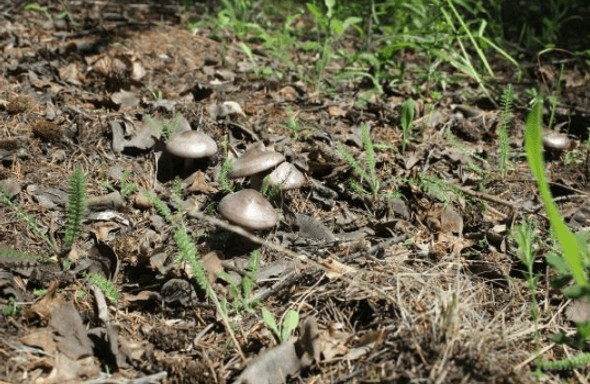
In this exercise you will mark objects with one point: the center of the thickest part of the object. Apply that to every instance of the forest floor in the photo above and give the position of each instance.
(416, 281)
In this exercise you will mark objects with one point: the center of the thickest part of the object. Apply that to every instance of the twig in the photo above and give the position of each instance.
(323, 265)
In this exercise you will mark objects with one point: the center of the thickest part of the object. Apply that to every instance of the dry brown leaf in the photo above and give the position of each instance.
(66, 370)
(335, 269)
(274, 365)
(201, 184)
(212, 264)
(41, 338)
(125, 99)
(451, 221)
(70, 332)
(333, 343)
(47, 303)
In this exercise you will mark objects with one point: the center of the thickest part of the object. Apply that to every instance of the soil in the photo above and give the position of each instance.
(418, 282)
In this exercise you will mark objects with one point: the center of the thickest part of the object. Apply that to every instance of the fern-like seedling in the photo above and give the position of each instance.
(367, 171)
(224, 183)
(108, 287)
(76, 206)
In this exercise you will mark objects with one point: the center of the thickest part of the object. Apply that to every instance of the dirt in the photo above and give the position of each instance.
(419, 283)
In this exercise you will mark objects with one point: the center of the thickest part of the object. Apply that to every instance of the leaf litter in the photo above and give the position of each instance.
(420, 286)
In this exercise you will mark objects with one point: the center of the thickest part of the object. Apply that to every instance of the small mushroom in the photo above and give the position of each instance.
(249, 209)
(254, 163)
(556, 141)
(255, 160)
(286, 176)
(191, 145)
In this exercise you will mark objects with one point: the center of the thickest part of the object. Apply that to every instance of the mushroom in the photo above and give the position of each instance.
(191, 145)
(253, 163)
(249, 209)
(556, 141)
(286, 176)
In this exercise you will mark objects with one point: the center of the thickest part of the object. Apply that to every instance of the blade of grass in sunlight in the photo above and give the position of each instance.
(567, 240)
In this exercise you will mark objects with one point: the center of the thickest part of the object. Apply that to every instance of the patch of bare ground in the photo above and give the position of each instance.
(417, 282)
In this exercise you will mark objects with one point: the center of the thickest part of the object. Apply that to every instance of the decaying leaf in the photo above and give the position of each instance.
(125, 99)
(70, 332)
(451, 221)
(313, 229)
(136, 138)
(274, 365)
(44, 307)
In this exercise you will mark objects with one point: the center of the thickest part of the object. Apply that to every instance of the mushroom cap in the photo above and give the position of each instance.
(556, 141)
(191, 145)
(249, 209)
(286, 176)
(253, 161)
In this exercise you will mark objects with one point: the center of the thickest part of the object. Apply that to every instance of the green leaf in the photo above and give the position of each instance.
(290, 323)
(350, 21)
(330, 5)
(270, 321)
(567, 240)
(337, 27)
(558, 263)
(407, 116)
(317, 15)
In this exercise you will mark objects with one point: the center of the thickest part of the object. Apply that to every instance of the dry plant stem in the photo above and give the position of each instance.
(155, 378)
(322, 264)
(540, 353)
(487, 197)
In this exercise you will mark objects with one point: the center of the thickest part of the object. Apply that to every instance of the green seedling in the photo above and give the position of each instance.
(366, 170)
(241, 294)
(437, 188)
(580, 155)
(105, 285)
(29, 220)
(165, 127)
(407, 121)
(288, 325)
(13, 309)
(76, 207)
(329, 30)
(35, 7)
(294, 125)
(224, 182)
(524, 237)
(188, 253)
(157, 94)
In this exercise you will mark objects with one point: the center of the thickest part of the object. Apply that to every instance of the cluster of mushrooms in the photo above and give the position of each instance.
(247, 208)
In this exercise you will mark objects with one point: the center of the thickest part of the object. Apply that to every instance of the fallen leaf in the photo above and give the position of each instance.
(70, 332)
(451, 221)
(274, 365)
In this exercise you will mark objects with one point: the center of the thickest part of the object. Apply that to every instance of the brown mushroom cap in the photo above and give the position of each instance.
(254, 161)
(249, 209)
(191, 145)
(286, 176)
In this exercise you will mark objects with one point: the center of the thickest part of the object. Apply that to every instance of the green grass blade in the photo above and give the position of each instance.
(567, 240)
